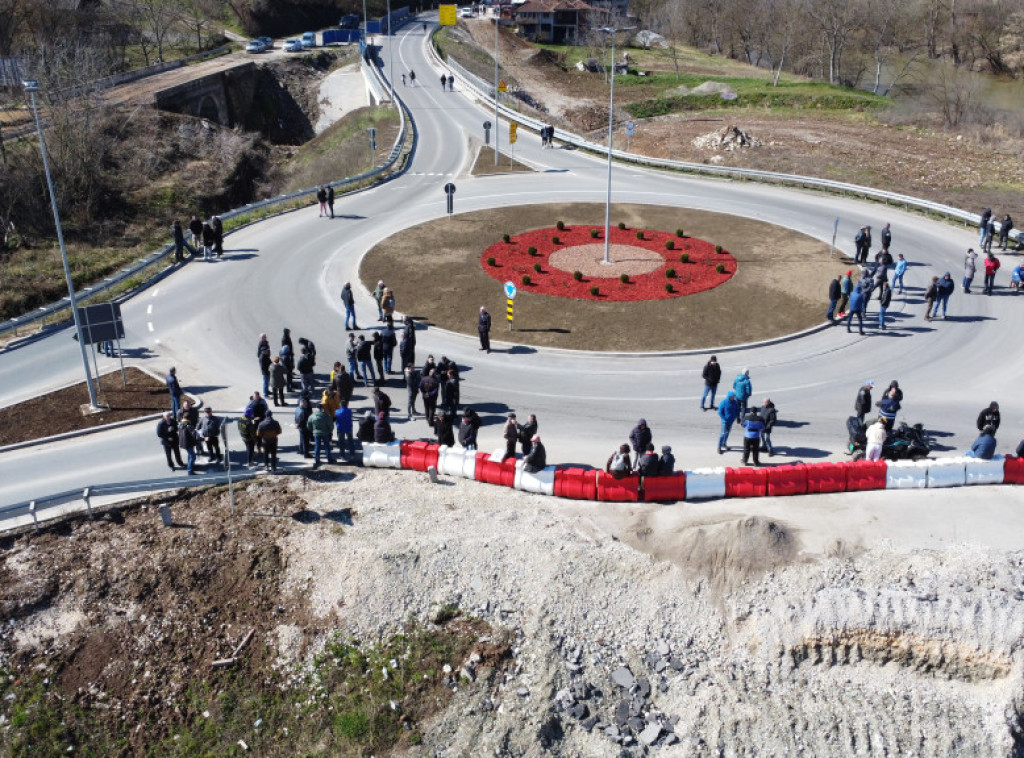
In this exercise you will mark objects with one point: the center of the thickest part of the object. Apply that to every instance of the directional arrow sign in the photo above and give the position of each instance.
(510, 290)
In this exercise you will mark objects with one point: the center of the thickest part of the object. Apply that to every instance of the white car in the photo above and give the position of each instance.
(466, 13)
(292, 46)
(255, 46)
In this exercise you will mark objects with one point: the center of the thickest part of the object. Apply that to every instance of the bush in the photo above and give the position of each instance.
(670, 273)
(684, 258)
(527, 280)
(491, 261)
(679, 233)
(668, 286)
(640, 234)
(670, 245)
(556, 240)
(577, 275)
(536, 267)
(531, 250)
(624, 278)
(718, 249)
(595, 291)
(720, 268)
(560, 225)
(505, 238)
(594, 234)
(622, 225)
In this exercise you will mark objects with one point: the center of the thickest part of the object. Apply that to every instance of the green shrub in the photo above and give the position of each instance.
(624, 278)
(505, 238)
(668, 286)
(531, 250)
(556, 240)
(640, 234)
(595, 291)
(622, 225)
(491, 261)
(670, 245)
(679, 233)
(718, 249)
(536, 267)
(594, 234)
(670, 273)
(560, 225)
(577, 275)
(354, 725)
(720, 268)
(684, 258)
(527, 280)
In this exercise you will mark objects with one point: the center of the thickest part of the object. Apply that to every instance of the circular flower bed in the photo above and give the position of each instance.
(563, 254)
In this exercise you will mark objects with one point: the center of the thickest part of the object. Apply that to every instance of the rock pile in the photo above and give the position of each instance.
(727, 138)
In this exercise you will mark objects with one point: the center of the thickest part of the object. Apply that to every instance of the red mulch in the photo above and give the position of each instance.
(513, 261)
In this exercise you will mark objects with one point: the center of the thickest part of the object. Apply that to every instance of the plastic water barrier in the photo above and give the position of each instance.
(541, 482)
(947, 472)
(665, 489)
(576, 483)
(380, 455)
(906, 475)
(746, 482)
(705, 483)
(865, 475)
(612, 490)
(790, 479)
(419, 455)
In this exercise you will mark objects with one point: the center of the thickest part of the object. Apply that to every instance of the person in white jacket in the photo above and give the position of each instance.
(876, 435)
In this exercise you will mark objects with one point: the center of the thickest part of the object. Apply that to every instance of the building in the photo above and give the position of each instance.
(552, 21)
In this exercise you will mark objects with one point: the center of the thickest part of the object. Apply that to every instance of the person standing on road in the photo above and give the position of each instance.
(986, 216)
(846, 287)
(884, 298)
(944, 288)
(321, 425)
(287, 354)
(768, 416)
(429, 388)
(1005, 227)
(511, 435)
(451, 82)
(930, 296)
(351, 354)
(268, 431)
(178, 235)
(886, 237)
(174, 388)
(752, 428)
(989, 417)
(712, 376)
(412, 388)
(970, 267)
(728, 412)
(483, 326)
(443, 429)
(640, 437)
(862, 405)
(444, 82)
(343, 426)
(526, 434)
(187, 440)
(278, 380)
(195, 227)
(378, 295)
(263, 356)
(247, 433)
(857, 304)
(898, 272)
(387, 304)
(378, 357)
(389, 341)
(167, 431)
(209, 239)
(303, 411)
(349, 301)
(863, 244)
(412, 74)
(364, 353)
(218, 235)
(330, 200)
(321, 197)
(835, 291)
(209, 430)
(991, 267)
(876, 436)
(744, 389)
(468, 429)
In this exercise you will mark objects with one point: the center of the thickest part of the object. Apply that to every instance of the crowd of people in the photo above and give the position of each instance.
(207, 238)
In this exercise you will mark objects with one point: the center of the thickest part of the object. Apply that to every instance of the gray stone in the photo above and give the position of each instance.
(581, 691)
(649, 735)
(522, 692)
(612, 731)
(663, 648)
(644, 688)
(663, 685)
(661, 665)
(623, 677)
(671, 739)
(579, 711)
(590, 723)
(621, 713)
(676, 664)
(636, 723)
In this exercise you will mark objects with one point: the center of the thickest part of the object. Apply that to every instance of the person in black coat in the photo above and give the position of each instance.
(468, 429)
(640, 438)
(443, 429)
(648, 463)
(712, 376)
(382, 433)
(218, 235)
(989, 417)
(835, 291)
(366, 428)
(483, 326)
(862, 405)
(167, 431)
(667, 462)
(537, 459)
(527, 432)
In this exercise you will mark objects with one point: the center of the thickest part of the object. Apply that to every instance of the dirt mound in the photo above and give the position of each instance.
(726, 138)
(547, 59)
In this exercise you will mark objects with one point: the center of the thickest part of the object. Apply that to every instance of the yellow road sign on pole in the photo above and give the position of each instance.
(447, 14)
(502, 87)
(512, 132)
(510, 311)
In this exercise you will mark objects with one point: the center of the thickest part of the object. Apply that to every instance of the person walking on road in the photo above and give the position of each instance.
(321, 197)
(412, 78)
(944, 288)
(712, 375)
(728, 412)
(174, 388)
(330, 200)
(444, 82)
(483, 326)
(348, 299)
(930, 296)
(167, 431)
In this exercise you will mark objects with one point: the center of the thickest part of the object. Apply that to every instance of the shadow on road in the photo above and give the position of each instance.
(801, 452)
(554, 330)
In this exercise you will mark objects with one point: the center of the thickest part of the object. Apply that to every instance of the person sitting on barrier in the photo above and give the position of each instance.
(985, 446)
(365, 432)
(443, 429)
(468, 429)
(667, 462)
(876, 435)
(382, 433)
(537, 459)
(619, 465)
(648, 463)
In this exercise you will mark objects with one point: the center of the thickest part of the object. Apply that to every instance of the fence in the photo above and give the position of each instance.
(372, 76)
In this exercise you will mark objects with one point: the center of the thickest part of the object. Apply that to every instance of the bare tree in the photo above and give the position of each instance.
(952, 91)
(835, 21)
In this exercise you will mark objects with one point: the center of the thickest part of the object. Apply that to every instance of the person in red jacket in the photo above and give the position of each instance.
(991, 266)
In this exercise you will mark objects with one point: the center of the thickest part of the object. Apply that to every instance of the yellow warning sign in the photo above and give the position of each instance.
(502, 87)
(509, 310)
(448, 14)
(512, 132)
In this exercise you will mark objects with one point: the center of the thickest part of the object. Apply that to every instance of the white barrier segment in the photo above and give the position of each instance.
(705, 483)
(906, 475)
(498, 455)
(381, 455)
(450, 460)
(946, 472)
(541, 483)
(469, 465)
(984, 472)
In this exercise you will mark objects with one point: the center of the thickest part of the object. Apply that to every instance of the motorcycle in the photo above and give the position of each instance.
(905, 442)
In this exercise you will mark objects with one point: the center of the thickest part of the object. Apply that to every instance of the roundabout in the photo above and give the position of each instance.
(661, 292)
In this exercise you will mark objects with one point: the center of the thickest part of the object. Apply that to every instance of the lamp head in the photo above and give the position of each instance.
(30, 85)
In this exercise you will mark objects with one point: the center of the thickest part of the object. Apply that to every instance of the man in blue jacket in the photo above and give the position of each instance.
(728, 412)
(985, 446)
(857, 303)
(752, 428)
(743, 389)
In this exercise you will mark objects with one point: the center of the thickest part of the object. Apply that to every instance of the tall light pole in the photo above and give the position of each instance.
(611, 125)
(391, 56)
(32, 87)
(497, 124)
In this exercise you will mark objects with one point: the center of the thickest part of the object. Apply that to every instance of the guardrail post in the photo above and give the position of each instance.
(165, 514)
(35, 518)
(88, 505)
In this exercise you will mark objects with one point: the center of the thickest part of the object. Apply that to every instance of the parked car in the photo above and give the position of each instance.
(292, 46)
(309, 39)
(268, 42)
(255, 46)
(349, 21)
(466, 13)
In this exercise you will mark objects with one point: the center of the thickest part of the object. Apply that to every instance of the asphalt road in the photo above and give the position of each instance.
(287, 272)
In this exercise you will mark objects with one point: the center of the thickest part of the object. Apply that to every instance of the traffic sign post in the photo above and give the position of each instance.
(487, 132)
(510, 295)
(835, 231)
(447, 15)
(449, 190)
(512, 137)
(630, 131)
(373, 144)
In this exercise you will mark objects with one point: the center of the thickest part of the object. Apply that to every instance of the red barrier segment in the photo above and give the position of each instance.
(576, 483)
(865, 475)
(419, 455)
(790, 479)
(1013, 470)
(827, 476)
(502, 473)
(612, 490)
(746, 482)
(665, 489)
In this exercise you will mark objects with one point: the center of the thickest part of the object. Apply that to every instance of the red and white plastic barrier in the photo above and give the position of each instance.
(540, 482)
(906, 475)
(705, 483)
(665, 489)
(946, 472)
(456, 462)
(984, 472)
(381, 455)
(576, 483)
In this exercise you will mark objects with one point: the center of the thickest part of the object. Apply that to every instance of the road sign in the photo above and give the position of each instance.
(487, 132)
(502, 87)
(373, 138)
(449, 190)
(510, 290)
(630, 128)
(512, 132)
(448, 14)
(510, 314)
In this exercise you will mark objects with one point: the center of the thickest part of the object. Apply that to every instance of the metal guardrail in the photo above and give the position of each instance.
(485, 91)
(47, 311)
(85, 495)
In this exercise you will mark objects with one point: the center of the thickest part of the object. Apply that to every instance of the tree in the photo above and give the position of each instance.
(835, 21)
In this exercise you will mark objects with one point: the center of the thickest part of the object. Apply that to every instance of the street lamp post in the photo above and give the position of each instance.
(497, 124)
(391, 56)
(611, 125)
(32, 87)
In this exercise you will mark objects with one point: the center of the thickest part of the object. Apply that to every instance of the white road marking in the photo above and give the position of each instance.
(149, 309)
(155, 292)
(150, 325)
